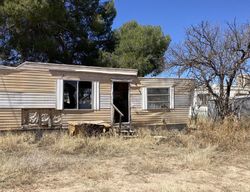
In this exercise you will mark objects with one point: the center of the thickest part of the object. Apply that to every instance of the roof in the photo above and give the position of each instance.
(76, 68)
(166, 78)
(6, 67)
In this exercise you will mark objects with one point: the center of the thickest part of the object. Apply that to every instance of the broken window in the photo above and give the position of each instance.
(158, 98)
(69, 95)
(203, 99)
(84, 95)
(77, 95)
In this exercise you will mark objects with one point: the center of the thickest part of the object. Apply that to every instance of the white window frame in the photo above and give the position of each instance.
(95, 94)
(145, 97)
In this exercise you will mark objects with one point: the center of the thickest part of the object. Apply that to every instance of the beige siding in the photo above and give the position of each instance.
(10, 119)
(28, 81)
(182, 98)
(35, 87)
(24, 89)
(174, 116)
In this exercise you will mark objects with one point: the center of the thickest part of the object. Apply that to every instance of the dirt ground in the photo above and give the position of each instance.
(143, 164)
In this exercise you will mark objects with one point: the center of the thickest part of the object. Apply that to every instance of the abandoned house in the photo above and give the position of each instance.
(203, 103)
(45, 95)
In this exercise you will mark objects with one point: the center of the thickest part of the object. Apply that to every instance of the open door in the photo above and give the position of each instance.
(121, 100)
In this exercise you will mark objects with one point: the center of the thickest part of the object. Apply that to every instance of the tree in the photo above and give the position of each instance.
(139, 47)
(214, 55)
(60, 31)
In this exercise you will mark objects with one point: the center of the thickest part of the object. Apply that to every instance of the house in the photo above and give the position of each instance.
(46, 95)
(203, 105)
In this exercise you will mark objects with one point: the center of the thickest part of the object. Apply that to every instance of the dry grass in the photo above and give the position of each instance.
(215, 157)
(227, 135)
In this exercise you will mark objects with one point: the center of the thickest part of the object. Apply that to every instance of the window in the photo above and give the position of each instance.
(158, 98)
(203, 99)
(84, 95)
(69, 94)
(77, 95)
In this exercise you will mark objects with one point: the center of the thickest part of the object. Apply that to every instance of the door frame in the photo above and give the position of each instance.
(112, 97)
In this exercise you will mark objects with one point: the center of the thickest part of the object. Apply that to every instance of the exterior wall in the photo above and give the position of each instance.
(179, 114)
(104, 113)
(24, 89)
(34, 87)
(10, 119)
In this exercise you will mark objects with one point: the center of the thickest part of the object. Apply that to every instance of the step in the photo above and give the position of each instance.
(127, 132)
(130, 136)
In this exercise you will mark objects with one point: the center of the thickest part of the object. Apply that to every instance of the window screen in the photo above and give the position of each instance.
(158, 98)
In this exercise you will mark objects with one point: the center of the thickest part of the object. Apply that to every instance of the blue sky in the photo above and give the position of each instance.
(174, 16)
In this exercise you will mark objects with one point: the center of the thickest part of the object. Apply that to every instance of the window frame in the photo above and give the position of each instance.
(205, 97)
(169, 98)
(77, 95)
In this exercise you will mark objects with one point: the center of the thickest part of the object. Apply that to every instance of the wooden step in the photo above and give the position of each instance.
(126, 129)
(130, 136)
(127, 132)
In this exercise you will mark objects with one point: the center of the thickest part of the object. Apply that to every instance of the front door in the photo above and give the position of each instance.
(121, 100)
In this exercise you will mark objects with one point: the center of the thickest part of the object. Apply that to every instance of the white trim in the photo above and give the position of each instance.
(144, 98)
(129, 103)
(122, 80)
(59, 94)
(77, 95)
(171, 89)
(96, 95)
(111, 102)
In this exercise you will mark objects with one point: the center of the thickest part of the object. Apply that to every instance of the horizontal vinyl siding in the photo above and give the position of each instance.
(105, 101)
(24, 89)
(27, 100)
(136, 101)
(175, 116)
(10, 119)
(105, 94)
(182, 102)
(28, 81)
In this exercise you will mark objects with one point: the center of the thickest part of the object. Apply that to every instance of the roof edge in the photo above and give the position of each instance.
(82, 68)
(162, 78)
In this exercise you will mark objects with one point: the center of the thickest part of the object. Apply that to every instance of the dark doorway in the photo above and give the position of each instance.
(120, 100)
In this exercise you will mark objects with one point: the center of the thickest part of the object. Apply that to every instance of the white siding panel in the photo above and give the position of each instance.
(27, 100)
(105, 101)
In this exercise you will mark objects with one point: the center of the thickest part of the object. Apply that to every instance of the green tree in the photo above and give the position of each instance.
(139, 47)
(60, 31)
